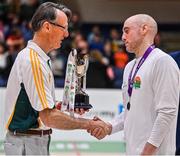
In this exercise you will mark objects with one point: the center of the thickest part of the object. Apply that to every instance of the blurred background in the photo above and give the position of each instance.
(95, 27)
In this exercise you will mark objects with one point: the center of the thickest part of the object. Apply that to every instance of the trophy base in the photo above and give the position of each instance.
(82, 101)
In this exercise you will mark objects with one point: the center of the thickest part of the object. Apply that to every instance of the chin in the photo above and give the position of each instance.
(129, 50)
(58, 46)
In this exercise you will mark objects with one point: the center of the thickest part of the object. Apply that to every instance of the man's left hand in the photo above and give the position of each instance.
(149, 149)
(81, 111)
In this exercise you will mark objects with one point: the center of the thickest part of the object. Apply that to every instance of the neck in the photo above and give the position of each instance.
(142, 49)
(39, 40)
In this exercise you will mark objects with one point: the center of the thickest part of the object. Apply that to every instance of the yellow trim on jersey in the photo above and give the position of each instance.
(41, 78)
(37, 69)
(38, 82)
(10, 118)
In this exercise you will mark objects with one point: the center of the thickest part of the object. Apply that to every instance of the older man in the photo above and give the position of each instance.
(30, 100)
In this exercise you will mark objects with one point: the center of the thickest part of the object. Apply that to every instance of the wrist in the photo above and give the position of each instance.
(149, 149)
(84, 123)
(109, 128)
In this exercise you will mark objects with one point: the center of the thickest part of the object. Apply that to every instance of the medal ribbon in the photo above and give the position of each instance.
(130, 81)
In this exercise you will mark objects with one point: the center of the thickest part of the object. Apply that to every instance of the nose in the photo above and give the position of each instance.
(123, 37)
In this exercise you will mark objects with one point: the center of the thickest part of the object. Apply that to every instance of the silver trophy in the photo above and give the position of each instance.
(74, 95)
(81, 98)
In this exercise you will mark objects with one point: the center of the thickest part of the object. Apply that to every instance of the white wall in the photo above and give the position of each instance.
(105, 105)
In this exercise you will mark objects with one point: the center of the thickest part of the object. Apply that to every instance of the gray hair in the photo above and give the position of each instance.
(47, 12)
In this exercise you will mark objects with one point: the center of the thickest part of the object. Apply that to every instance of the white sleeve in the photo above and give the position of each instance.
(117, 123)
(35, 80)
(166, 90)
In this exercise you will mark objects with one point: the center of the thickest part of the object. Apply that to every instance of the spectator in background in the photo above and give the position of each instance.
(120, 61)
(1, 30)
(97, 63)
(108, 53)
(109, 62)
(95, 30)
(120, 57)
(3, 55)
(77, 38)
(12, 22)
(158, 42)
(75, 24)
(97, 71)
(176, 57)
(14, 6)
(82, 46)
(14, 42)
(58, 65)
(97, 43)
(26, 31)
(27, 10)
(4, 65)
(115, 39)
(3, 10)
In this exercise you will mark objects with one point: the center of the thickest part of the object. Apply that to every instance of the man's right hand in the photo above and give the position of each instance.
(99, 128)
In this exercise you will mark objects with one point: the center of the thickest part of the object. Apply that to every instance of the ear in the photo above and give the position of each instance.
(144, 29)
(46, 26)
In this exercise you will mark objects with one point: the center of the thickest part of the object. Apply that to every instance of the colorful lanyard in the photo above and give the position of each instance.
(130, 81)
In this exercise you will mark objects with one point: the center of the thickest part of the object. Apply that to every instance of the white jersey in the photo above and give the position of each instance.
(30, 89)
(152, 116)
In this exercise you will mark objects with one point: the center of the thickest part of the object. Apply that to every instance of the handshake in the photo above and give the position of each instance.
(98, 128)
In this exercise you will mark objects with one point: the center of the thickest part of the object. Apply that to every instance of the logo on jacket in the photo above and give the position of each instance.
(137, 82)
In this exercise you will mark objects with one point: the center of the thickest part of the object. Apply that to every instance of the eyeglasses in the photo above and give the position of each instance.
(58, 25)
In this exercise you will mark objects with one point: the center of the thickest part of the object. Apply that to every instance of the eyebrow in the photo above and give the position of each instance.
(125, 28)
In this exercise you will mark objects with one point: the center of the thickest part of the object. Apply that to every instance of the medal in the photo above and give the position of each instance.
(128, 106)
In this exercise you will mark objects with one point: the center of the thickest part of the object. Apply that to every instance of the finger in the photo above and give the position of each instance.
(100, 134)
(95, 131)
(77, 110)
(101, 137)
(89, 130)
(82, 111)
(95, 118)
(87, 110)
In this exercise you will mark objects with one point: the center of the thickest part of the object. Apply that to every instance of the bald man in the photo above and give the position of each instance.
(151, 85)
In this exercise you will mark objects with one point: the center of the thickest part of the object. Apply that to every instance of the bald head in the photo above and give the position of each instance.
(139, 32)
(144, 19)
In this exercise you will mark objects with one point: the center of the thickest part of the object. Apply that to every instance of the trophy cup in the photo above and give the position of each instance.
(74, 95)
